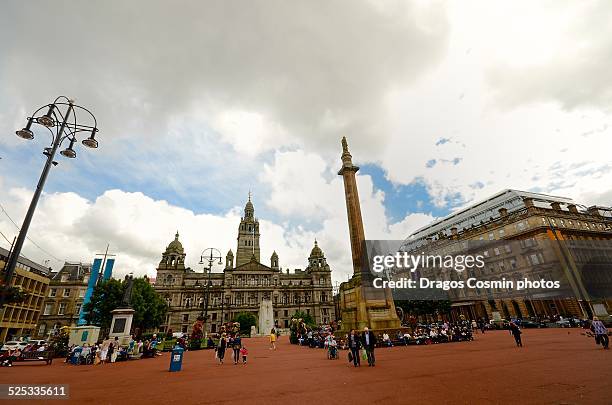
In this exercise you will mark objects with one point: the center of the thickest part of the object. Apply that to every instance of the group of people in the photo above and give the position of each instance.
(110, 351)
(361, 342)
(443, 332)
(231, 341)
(8, 357)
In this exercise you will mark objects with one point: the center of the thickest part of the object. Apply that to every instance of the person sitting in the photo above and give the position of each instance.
(387, 340)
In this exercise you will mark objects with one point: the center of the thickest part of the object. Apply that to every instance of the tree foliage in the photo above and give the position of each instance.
(106, 296)
(306, 317)
(149, 306)
(246, 320)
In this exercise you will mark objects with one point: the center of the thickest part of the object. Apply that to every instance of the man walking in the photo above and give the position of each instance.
(354, 345)
(368, 340)
(601, 333)
(516, 332)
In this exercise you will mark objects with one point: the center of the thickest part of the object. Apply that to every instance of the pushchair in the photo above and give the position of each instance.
(332, 352)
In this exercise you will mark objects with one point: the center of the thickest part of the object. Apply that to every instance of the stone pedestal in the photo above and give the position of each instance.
(362, 305)
(81, 335)
(266, 317)
(121, 325)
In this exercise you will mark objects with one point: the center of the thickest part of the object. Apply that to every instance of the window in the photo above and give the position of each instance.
(48, 309)
(77, 308)
(496, 250)
(502, 233)
(81, 293)
(64, 278)
(53, 292)
(322, 281)
(41, 329)
(508, 249)
(85, 279)
(66, 292)
(62, 308)
(185, 317)
(491, 236)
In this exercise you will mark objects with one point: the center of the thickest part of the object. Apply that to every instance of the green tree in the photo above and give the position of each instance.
(149, 307)
(306, 317)
(106, 296)
(246, 320)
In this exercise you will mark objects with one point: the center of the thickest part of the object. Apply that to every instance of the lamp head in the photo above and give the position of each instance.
(26, 132)
(47, 119)
(91, 142)
(69, 152)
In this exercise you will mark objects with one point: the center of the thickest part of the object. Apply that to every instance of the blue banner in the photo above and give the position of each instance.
(108, 270)
(93, 278)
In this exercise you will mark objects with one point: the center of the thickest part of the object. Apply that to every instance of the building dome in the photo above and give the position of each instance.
(316, 250)
(175, 245)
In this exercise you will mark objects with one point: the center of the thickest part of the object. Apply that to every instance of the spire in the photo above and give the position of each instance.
(249, 210)
(177, 235)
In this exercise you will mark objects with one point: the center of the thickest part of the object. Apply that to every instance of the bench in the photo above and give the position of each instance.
(46, 356)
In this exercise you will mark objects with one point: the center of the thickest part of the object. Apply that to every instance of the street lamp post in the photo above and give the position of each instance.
(61, 121)
(210, 255)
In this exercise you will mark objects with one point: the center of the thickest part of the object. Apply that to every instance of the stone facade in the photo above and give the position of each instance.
(526, 233)
(20, 319)
(244, 283)
(64, 298)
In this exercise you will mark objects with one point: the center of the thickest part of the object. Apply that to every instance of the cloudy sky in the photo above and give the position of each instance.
(198, 102)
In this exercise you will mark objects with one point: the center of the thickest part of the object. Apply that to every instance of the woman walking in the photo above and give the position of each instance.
(236, 346)
(104, 350)
(221, 347)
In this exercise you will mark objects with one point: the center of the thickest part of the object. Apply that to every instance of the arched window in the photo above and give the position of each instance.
(169, 279)
(322, 281)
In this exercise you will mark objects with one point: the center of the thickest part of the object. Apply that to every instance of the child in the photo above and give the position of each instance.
(244, 353)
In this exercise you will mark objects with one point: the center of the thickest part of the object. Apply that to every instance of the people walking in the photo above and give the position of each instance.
(354, 345)
(516, 332)
(273, 340)
(601, 333)
(368, 341)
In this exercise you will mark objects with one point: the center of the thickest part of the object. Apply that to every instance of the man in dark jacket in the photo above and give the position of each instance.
(368, 341)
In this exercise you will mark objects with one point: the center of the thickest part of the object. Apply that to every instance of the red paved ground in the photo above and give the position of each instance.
(555, 366)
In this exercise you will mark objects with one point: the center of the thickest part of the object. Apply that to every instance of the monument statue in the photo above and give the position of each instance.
(266, 317)
(360, 303)
(126, 301)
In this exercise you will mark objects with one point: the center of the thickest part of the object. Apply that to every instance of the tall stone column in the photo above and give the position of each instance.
(360, 303)
(353, 209)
